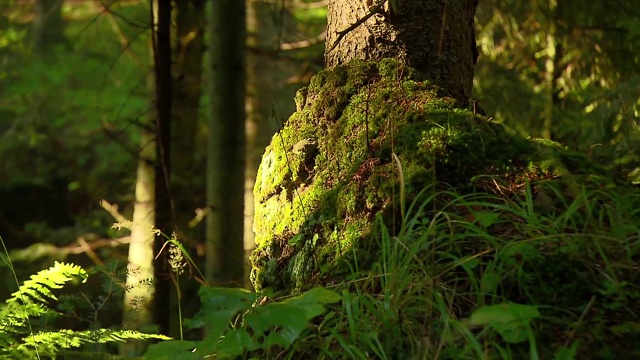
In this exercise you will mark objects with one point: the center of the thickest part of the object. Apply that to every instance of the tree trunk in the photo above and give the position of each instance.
(142, 306)
(187, 74)
(226, 151)
(164, 209)
(435, 37)
(48, 26)
(138, 300)
(267, 99)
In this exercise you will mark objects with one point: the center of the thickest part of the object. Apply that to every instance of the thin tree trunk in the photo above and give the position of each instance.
(266, 77)
(252, 130)
(164, 208)
(138, 300)
(433, 36)
(226, 150)
(187, 73)
(550, 71)
(48, 26)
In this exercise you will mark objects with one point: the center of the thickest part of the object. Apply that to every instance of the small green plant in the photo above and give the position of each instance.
(511, 321)
(236, 324)
(22, 338)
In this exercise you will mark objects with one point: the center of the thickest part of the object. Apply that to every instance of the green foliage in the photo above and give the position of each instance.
(511, 321)
(564, 69)
(310, 15)
(235, 325)
(75, 113)
(20, 336)
(32, 296)
(50, 125)
(493, 277)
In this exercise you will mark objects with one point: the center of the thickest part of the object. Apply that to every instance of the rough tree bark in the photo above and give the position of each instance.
(138, 301)
(436, 37)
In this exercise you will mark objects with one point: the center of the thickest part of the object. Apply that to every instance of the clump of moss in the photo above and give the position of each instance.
(326, 175)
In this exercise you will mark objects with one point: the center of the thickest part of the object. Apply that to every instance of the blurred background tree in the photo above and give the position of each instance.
(566, 71)
(285, 43)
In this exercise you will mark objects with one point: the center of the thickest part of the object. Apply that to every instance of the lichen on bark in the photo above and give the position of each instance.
(330, 170)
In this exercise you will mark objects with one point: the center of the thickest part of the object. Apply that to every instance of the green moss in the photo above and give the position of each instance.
(315, 205)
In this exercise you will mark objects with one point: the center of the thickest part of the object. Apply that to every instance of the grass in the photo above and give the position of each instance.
(491, 277)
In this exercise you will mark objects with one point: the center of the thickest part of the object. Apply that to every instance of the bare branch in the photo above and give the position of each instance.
(112, 209)
(304, 43)
(80, 246)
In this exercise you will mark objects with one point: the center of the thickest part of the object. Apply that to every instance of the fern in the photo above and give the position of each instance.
(31, 302)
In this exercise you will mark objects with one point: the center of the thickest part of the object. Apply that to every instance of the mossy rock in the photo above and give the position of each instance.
(331, 169)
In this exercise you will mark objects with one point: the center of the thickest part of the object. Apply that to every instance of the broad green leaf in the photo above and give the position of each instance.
(511, 321)
(220, 306)
(567, 353)
(486, 219)
(295, 239)
(278, 324)
(314, 296)
(235, 342)
(490, 281)
(173, 349)
(470, 263)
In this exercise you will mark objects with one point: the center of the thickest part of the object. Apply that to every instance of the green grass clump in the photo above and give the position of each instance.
(492, 277)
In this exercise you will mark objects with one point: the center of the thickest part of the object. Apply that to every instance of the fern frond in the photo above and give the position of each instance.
(31, 298)
(38, 288)
(50, 343)
(31, 301)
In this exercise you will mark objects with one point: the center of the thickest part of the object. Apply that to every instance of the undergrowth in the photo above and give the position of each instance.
(26, 318)
(488, 277)
(482, 277)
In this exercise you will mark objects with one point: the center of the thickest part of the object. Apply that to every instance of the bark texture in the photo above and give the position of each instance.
(435, 37)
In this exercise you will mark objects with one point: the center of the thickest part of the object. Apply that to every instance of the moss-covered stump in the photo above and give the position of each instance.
(359, 132)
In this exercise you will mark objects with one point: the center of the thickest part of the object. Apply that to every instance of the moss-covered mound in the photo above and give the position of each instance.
(367, 138)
